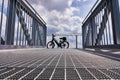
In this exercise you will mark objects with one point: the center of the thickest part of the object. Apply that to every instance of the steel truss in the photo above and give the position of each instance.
(101, 28)
(24, 26)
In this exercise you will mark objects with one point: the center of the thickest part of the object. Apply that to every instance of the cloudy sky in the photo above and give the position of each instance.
(63, 16)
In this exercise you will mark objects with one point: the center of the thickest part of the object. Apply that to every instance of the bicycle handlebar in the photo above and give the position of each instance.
(53, 35)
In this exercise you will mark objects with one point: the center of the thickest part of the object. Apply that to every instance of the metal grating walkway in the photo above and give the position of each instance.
(56, 64)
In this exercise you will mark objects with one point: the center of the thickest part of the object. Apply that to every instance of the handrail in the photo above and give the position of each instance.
(79, 34)
(90, 11)
(35, 12)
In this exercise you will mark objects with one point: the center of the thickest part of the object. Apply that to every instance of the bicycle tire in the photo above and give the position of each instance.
(51, 44)
(65, 44)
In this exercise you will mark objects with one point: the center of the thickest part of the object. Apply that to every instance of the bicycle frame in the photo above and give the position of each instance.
(54, 40)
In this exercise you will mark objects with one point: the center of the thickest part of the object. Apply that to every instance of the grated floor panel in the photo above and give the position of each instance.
(56, 64)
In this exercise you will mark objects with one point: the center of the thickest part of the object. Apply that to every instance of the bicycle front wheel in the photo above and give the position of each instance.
(50, 45)
(65, 44)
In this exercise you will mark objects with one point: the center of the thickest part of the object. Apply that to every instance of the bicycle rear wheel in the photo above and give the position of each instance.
(65, 44)
(50, 45)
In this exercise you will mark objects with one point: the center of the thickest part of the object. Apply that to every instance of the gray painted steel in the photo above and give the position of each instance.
(102, 25)
(24, 26)
(115, 20)
(10, 27)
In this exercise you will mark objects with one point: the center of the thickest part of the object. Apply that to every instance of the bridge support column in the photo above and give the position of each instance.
(10, 26)
(115, 20)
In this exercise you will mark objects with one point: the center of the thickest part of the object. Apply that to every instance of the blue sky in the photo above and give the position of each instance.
(84, 6)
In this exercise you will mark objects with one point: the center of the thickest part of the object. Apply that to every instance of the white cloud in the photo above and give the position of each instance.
(50, 5)
(59, 15)
(70, 2)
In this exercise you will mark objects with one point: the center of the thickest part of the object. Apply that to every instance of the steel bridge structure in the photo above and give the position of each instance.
(23, 26)
(101, 27)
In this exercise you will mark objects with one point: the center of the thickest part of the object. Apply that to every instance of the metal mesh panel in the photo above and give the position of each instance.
(57, 64)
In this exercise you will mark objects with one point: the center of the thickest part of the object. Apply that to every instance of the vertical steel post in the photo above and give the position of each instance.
(93, 31)
(76, 41)
(17, 38)
(38, 40)
(20, 36)
(115, 20)
(40, 35)
(45, 36)
(83, 35)
(33, 31)
(90, 34)
(10, 26)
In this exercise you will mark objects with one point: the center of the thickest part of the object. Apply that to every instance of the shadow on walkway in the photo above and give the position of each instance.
(108, 53)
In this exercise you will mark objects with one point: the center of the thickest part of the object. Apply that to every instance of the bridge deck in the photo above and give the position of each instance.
(57, 64)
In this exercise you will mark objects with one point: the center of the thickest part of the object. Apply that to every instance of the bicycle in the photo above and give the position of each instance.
(63, 43)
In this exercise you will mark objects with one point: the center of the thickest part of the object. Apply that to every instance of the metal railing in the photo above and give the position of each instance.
(20, 24)
(101, 26)
(90, 12)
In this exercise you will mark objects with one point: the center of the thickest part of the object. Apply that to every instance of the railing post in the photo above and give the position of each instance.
(45, 35)
(10, 25)
(76, 41)
(33, 31)
(115, 20)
